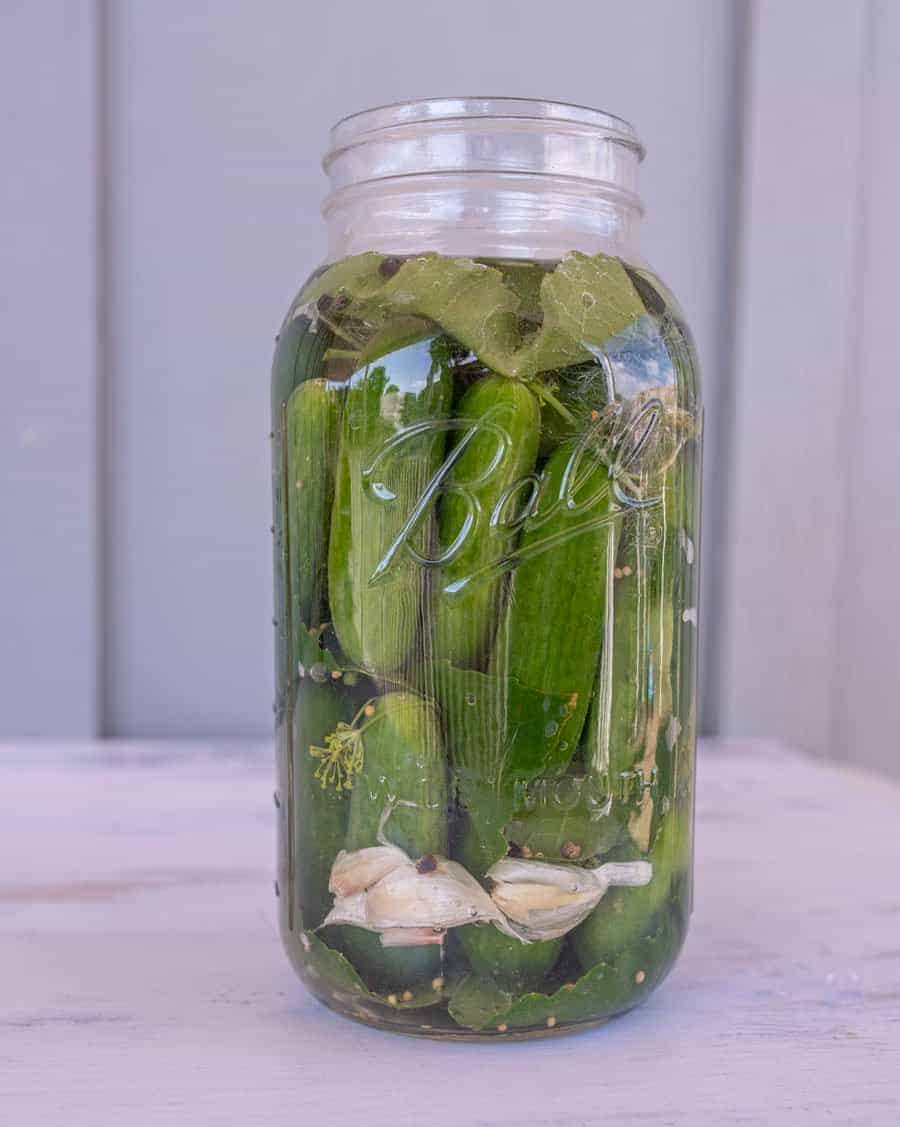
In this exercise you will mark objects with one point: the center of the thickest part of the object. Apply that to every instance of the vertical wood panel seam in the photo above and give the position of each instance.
(103, 424)
(717, 507)
(850, 412)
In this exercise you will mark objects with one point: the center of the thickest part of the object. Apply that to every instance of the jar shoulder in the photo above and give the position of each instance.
(603, 304)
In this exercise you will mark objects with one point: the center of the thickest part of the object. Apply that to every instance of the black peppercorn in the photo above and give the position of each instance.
(390, 266)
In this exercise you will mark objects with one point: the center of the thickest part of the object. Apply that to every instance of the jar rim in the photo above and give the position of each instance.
(360, 126)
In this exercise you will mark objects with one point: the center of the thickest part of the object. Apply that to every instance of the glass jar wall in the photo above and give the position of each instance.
(486, 444)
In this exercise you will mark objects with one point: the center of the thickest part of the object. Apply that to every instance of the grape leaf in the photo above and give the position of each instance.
(585, 300)
(606, 989)
(358, 276)
(476, 1002)
(332, 972)
(589, 299)
(467, 299)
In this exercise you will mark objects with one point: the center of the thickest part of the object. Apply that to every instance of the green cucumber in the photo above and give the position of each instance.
(491, 720)
(627, 724)
(299, 350)
(633, 658)
(566, 534)
(650, 632)
(624, 915)
(509, 963)
(404, 771)
(496, 453)
(403, 768)
(388, 457)
(313, 415)
(488, 719)
(551, 637)
(607, 989)
(312, 819)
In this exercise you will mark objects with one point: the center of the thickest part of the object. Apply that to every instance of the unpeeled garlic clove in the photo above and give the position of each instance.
(515, 870)
(544, 912)
(356, 871)
(441, 897)
(545, 901)
(627, 873)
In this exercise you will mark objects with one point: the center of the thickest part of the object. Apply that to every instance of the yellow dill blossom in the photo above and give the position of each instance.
(341, 758)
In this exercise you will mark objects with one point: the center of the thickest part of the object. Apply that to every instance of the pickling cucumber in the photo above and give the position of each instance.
(648, 627)
(607, 989)
(299, 350)
(388, 456)
(313, 818)
(625, 915)
(404, 769)
(479, 513)
(551, 635)
(403, 777)
(312, 417)
(627, 723)
(509, 963)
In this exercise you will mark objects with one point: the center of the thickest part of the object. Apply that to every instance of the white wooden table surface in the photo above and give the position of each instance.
(141, 979)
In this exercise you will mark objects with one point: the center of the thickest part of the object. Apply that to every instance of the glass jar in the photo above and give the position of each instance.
(486, 455)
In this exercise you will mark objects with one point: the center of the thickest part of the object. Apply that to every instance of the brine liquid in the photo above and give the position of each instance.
(486, 550)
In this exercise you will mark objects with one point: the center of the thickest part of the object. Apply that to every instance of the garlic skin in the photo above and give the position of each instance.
(545, 901)
(348, 910)
(629, 874)
(411, 937)
(443, 897)
(412, 904)
(354, 872)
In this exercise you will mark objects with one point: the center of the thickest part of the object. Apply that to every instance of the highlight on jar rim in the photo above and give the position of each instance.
(486, 431)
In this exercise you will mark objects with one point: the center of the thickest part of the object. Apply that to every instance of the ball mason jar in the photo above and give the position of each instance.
(486, 457)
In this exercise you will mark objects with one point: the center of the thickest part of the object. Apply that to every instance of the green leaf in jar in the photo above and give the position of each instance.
(476, 1002)
(586, 300)
(469, 300)
(358, 276)
(330, 973)
(589, 299)
(607, 988)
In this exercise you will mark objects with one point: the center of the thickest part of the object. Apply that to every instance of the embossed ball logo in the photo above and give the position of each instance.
(617, 438)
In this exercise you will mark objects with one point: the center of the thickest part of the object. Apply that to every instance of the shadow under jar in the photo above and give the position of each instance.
(486, 457)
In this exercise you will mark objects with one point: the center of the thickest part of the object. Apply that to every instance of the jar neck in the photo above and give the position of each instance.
(483, 177)
(484, 215)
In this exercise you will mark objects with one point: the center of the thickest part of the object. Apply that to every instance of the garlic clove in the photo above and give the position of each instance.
(407, 898)
(442, 896)
(356, 871)
(627, 873)
(545, 901)
(520, 901)
(514, 870)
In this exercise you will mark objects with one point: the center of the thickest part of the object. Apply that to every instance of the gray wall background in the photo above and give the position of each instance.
(159, 207)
